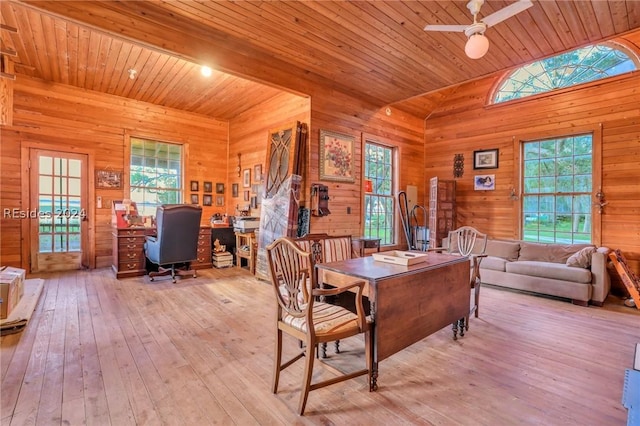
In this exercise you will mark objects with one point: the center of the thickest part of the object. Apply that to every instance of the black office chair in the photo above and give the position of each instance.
(176, 243)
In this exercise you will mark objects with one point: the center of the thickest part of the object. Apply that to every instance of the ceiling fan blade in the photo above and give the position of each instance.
(455, 28)
(507, 12)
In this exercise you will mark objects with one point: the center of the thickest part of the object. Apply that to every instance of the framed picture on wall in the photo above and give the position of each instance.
(246, 178)
(207, 187)
(108, 179)
(219, 200)
(234, 190)
(485, 159)
(219, 188)
(257, 173)
(194, 186)
(484, 182)
(336, 157)
(246, 195)
(206, 200)
(194, 199)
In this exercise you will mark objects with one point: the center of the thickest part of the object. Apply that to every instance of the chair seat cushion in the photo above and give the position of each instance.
(327, 319)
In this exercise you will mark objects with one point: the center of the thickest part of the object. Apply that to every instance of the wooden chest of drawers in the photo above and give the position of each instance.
(204, 260)
(128, 250)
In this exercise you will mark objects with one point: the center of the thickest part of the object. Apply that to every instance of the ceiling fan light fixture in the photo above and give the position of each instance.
(477, 46)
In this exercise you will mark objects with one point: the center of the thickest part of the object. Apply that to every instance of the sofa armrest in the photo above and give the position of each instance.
(599, 275)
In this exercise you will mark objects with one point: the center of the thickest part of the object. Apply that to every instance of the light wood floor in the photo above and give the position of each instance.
(100, 351)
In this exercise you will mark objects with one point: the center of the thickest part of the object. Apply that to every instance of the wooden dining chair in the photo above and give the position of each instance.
(468, 241)
(301, 315)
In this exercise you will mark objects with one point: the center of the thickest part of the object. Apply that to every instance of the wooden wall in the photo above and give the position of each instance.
(463, 123)
(343, 114)
(69, 119)
(248, 134)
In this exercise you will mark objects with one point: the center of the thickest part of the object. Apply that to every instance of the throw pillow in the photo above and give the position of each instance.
(581, 258)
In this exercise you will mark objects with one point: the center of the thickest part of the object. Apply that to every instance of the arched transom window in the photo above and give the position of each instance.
(567, 69)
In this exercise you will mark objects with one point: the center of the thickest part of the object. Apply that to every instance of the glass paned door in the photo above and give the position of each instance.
(58, 224)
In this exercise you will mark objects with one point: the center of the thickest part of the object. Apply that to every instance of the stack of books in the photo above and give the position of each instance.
(222, 259)
(631, 390)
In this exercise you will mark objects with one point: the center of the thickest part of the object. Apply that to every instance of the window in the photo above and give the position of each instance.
(156, 174)
(578, 66)
(557, 184)
(378, 199)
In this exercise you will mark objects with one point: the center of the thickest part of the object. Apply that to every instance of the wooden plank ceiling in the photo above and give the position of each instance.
(376, 51)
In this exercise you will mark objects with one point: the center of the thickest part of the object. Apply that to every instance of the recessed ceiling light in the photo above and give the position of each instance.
(205, 71)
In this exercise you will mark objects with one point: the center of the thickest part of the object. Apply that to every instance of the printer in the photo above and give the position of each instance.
(246, 223)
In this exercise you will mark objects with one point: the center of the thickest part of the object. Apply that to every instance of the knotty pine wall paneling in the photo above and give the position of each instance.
(463, 123)
(344, 114)
(248, 135)
(82, 120)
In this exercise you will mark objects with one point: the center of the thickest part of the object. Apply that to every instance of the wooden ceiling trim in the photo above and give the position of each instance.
(603, 18)
(166, 64)
(587, 18)
(72, 46)
(570, 14)
(404, 35)
(633, 15)
(366, 51)
(117, 66)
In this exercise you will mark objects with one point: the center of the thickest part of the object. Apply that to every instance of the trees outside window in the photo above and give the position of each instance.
(379, 208)
(557, 186)
(155, 174)
(578, 66)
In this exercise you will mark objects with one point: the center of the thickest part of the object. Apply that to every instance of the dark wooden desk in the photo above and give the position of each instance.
(128, 250)
(408, 303)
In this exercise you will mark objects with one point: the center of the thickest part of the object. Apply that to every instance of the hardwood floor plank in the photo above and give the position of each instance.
(105, 351)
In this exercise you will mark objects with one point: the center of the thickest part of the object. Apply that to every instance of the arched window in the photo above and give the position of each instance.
(578, 66)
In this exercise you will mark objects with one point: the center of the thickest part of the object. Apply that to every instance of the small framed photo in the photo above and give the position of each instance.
(484, 182)
(207, 187)
(485, 159)
(234, 190)
(194, 186)
(255, 188)
(194, 199)
(219, 188)
(257, 173)
(219, 200)
(246, 195)
(246, 178)
(254, 202)
(108, 179)
(206, 200)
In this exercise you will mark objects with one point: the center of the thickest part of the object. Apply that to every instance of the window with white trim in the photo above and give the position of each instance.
(578, 66)
(155, 174)
(557, 184)
(379, 208)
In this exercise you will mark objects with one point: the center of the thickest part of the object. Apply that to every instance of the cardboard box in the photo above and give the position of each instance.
(11, 289)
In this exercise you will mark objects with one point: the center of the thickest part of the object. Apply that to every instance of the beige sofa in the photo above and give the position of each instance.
(577, 272)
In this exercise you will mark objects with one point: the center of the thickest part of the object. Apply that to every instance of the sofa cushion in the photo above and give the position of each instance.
(581, 258)
(555, 253)
(556, 271)
(494, 263)
(505, 249)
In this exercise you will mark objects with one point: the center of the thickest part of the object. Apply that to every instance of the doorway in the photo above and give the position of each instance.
(58, 194)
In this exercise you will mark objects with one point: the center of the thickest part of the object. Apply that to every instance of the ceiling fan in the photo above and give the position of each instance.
(478, 44)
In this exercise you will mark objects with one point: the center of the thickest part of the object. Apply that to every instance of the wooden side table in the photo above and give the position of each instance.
(245, 239)
(366, 243)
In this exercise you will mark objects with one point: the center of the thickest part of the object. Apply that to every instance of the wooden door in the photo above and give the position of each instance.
(57, 195)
